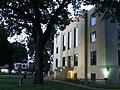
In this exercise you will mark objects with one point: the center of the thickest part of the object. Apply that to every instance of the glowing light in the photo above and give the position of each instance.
(4, 70)
(106, 72)
(70, 74)
(48, 61)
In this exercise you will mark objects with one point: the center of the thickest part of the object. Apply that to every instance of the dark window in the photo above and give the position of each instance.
(56, 62)
(75, 75)
(69, 61)
(118, 57)
(23, 66)
(75, 60)
(119, 78)
(63, 61)
(93, 76)
(64, 42)
(57, 50)
(93, 57)
(118, 36)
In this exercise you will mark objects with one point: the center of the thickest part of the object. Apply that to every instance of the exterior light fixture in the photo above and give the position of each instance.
(61, 70)
(48, 61)
(106, 72)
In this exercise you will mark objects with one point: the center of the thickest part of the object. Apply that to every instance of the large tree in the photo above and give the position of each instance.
(33, 15)
(36, 16)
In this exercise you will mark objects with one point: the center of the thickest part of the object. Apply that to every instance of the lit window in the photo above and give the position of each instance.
(93, 57)
(93, 21)
(93, 36)
(69, 40)
(75, 60)
(76, 37)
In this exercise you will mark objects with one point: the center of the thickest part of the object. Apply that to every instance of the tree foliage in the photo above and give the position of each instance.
(19, 53)
(5, 50)
(109, 8)
(10, 52)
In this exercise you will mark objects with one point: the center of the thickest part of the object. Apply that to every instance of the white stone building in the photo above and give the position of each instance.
(89, 49)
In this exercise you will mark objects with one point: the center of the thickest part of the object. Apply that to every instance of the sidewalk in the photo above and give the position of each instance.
(82, 86)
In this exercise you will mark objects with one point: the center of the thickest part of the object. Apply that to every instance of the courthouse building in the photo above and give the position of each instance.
(89, 48)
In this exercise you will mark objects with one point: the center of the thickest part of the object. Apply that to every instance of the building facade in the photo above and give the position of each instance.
(88, 49)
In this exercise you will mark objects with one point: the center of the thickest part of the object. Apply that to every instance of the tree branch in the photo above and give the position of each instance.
(53, 19)
(36, 23)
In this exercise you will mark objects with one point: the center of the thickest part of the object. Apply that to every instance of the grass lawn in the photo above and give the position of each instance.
(105, 86)
(11, 82)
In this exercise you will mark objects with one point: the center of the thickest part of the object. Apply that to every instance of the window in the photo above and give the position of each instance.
(57, 38)
(56, 50)
(63, 61)
(119, 78)
(93, 76)
(118, 35)
(76, 37)
(23, 66)
(118, 57)
(93, 36)
(64, 42)
(69, 40)
(93, 21)
(56, 62)
(75, 75)
(69, 61)
(93, 57)
(75, 60)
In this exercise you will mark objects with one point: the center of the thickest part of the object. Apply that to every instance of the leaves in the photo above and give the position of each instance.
(19, 52)
(5, 49)
(109, 8)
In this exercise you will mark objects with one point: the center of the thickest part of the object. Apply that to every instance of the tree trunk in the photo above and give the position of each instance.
(38, 79)
(39, 65)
